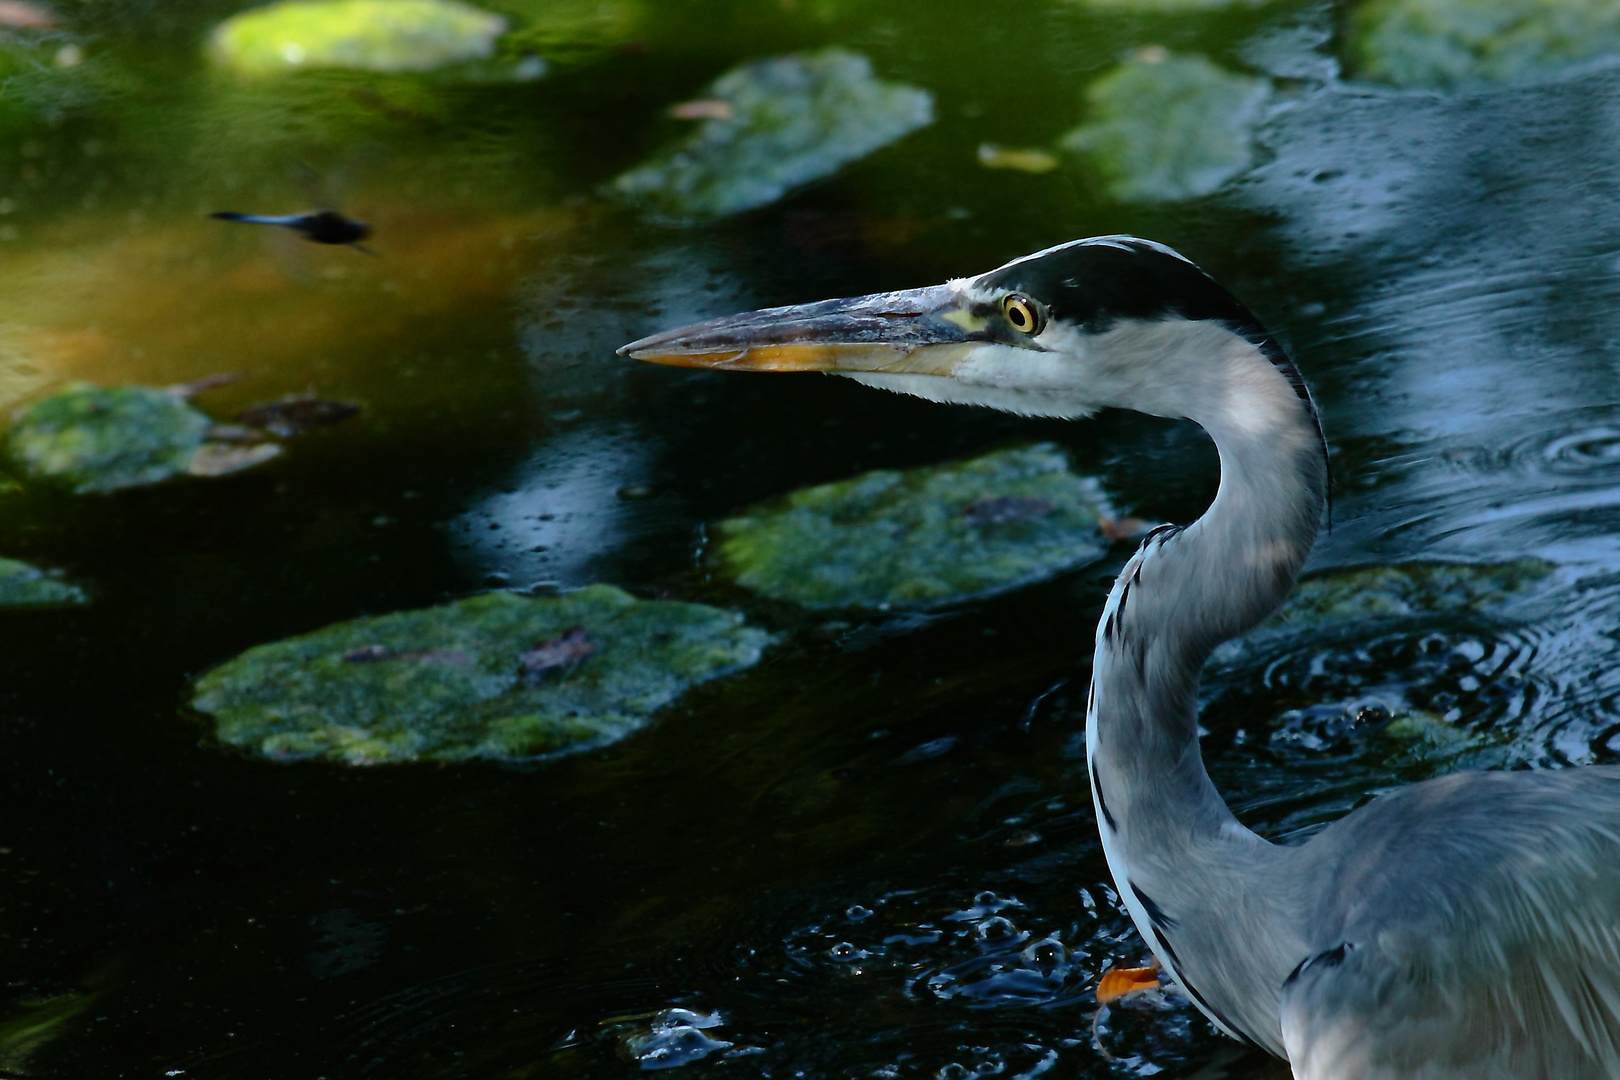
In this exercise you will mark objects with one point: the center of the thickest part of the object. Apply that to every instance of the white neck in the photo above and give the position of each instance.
(1186, 869)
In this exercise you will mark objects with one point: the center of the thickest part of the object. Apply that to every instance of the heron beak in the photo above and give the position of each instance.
(918, 332)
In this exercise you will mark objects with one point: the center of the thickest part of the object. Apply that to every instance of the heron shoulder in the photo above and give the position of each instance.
(1482, 896)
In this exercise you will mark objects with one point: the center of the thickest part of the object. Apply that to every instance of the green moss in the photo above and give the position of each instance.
(787, 121)
(1166, 127)
(364, 35)
(32, 1024)
(446, 683)
(96, 439)
(1441, 43)
(1405, 589)
(920, 537)
(22, 585)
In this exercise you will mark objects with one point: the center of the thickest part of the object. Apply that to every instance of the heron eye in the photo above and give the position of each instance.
(1023, 313)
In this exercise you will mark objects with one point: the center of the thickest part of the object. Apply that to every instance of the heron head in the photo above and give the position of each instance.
(1107, 321)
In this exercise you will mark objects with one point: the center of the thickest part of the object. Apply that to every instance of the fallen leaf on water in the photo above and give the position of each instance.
(297, 414)
(1117, 982)
(705, 109)
(992, 156)
(24, 16)
(219, 459)
(564, 650)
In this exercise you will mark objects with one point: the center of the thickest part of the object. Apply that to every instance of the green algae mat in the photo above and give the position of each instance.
(22, 585)
(920, 537)
(93, 439)
(496, 676)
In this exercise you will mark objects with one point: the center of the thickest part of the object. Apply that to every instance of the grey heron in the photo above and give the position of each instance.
(1463, 927)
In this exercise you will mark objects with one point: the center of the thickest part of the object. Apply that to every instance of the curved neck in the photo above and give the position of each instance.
(1178, 855)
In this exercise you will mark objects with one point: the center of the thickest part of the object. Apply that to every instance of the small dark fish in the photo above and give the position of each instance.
(320, 226)
(294, 415)
(564, 650)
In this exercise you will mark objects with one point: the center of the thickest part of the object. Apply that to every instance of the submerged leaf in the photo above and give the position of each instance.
(772, 126)
(564, 650)
(1167, 127)
(366, 35)
(447, 683)
(921, 537)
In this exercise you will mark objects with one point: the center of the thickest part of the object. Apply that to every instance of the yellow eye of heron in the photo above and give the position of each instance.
(1023, 313)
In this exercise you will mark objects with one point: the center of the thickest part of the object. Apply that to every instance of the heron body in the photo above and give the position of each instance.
(1464, 927)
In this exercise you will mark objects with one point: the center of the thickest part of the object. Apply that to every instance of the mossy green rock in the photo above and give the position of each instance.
(446, 683)
(22, 585)
(97, 439)
(920, 537)
(1165, 127)
(1441, 43)
(1405, 589)
(364, 35)
(788, 121)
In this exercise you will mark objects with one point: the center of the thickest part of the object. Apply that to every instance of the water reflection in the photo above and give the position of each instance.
(565, 509)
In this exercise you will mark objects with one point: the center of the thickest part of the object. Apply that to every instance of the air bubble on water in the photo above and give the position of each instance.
(996, 928)
(1046, 954)
(856, 913)
(844, 951)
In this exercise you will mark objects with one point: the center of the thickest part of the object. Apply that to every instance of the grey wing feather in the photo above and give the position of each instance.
(1468, 927)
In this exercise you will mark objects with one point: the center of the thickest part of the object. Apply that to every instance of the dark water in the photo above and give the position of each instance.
(873, 855)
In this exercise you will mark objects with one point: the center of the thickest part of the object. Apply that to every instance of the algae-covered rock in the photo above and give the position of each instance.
(920, 537)
(780, 124)
(1440, 43)
(493, 676)
(365, 35)
(22, 585)
(1414, 588)
(94, 439)
(1165, 127)
(1341, 600)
